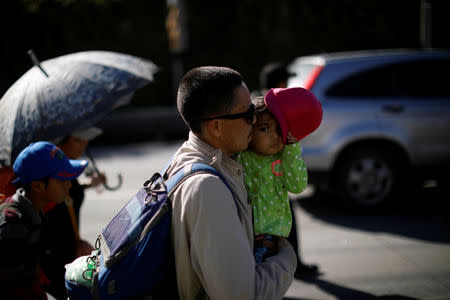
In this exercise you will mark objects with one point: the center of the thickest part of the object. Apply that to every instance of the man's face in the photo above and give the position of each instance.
(237, 132)
(57, 190)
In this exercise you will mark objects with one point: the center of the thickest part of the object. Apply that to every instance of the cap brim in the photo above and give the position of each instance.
(275, 108)
(72, 170)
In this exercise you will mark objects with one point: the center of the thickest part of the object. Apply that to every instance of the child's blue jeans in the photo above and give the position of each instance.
(261, 251)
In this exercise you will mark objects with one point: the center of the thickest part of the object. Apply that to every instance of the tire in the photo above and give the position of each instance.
(367, 177)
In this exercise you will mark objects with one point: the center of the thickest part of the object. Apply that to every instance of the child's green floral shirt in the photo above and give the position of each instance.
(268, 180)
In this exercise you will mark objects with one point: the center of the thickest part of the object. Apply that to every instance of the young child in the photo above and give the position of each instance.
(43, 176)
(273, 164)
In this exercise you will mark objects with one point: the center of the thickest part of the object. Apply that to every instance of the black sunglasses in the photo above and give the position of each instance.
(249, 115)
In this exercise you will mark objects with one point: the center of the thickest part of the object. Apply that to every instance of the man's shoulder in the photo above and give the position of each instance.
(199, 182)
(12, 224)
(203, 181)
(206, 193)
(202, 185)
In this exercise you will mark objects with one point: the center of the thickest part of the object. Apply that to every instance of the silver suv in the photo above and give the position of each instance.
(386, 121)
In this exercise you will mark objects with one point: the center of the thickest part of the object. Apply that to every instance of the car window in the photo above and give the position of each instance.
(421, 78)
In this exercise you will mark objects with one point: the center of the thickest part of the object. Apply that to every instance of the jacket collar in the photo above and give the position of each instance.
(26, 207)
(218, 158)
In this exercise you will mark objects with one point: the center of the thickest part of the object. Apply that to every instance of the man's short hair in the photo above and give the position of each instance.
(205, 92)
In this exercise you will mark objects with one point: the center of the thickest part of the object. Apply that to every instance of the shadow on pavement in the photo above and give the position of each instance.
(342, 292)
(424, 216)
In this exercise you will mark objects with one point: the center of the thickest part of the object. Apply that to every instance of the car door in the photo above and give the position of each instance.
(416, 108)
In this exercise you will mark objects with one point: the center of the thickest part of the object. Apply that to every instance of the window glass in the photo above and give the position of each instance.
(421, 78)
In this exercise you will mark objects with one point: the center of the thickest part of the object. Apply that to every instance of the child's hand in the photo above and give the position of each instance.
(83, 248)
(270, 244)
(97, 179)
(290, 139)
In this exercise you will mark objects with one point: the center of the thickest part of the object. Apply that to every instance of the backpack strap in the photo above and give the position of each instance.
(167, 165)
(196, 168)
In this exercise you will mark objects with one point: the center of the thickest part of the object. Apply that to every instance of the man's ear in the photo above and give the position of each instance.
(38, 186)
(213, 128)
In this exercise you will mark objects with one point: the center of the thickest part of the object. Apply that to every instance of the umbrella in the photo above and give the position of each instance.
(65, 93)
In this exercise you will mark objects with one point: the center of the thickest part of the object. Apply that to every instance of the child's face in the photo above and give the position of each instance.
(57, 189)
(266, 134)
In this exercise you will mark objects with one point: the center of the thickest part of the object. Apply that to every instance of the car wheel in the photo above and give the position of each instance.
(366, 177)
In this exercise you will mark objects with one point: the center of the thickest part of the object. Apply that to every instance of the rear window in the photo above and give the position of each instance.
(421, 78)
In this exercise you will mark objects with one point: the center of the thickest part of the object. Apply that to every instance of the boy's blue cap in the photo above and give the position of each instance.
(43, 159)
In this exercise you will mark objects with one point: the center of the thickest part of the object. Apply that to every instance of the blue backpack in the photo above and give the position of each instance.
(133, 256)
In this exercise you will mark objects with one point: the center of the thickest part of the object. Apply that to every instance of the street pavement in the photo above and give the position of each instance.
(401, 254)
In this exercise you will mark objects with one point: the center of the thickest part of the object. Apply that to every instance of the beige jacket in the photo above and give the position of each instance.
(213, 245)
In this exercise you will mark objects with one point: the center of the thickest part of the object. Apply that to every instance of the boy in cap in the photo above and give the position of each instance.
(273, 164)
(62, 219)
(43, 176)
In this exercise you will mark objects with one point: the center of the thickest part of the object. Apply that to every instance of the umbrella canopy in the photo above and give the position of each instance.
(66, 93)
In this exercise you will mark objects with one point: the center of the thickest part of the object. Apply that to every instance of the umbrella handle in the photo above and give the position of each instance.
(118, 185)
(94, 166)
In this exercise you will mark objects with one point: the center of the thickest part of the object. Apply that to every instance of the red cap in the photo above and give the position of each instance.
(296, 109)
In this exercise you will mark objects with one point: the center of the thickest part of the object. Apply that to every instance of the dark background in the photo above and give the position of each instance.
(242, 34)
